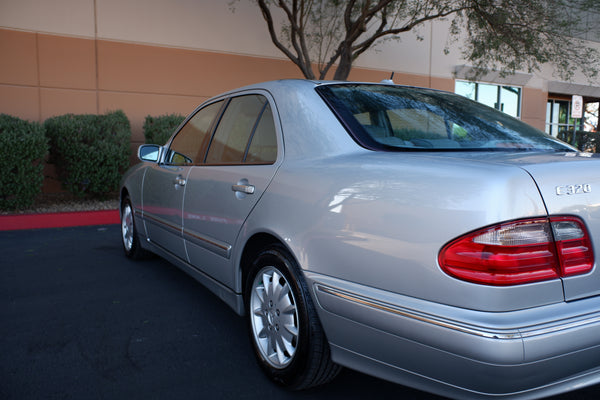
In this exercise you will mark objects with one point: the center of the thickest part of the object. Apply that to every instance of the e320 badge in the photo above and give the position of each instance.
(573, 189)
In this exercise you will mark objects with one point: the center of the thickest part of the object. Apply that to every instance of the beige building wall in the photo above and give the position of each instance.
(46, 75)
(153, 57)
(150, 57)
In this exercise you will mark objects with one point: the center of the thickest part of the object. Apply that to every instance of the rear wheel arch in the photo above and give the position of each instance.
(252, 249)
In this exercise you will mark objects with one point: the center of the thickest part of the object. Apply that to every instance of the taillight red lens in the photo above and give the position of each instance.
(574, 246)
(520, 252)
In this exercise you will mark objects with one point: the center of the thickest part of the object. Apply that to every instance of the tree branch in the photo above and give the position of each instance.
(510, 34)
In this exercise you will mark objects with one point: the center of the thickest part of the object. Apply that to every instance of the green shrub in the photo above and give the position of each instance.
(157, 130)
(90, 151)
(23, 147)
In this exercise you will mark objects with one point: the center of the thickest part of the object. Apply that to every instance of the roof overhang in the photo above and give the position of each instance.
(573, 88)
(467, 72)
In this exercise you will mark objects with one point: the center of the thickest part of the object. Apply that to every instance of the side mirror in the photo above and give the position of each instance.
(149, 152)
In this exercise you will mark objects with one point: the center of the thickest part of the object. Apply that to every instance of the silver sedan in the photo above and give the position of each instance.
(408, 233)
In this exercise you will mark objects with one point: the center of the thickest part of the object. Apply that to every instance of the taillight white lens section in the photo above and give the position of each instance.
(517, 234)
(520, 252)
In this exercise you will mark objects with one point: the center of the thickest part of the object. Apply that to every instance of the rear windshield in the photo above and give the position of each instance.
(394, 118)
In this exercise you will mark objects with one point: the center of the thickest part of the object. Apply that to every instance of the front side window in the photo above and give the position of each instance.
(395, 118)
(190, 144)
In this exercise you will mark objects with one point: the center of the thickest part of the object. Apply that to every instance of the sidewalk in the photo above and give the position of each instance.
(58, 220)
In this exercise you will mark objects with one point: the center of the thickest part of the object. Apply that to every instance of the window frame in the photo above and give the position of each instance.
(530, 138)
(213, 127)
(209, 132)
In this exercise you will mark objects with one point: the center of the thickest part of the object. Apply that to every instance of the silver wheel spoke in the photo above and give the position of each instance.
(281, 355)
(286, 339)
(260, 292)
(290, 330)
(286, 306)
(275, 286)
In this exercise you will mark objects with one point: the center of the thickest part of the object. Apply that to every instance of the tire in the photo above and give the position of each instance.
(129, 233)
(286, 335)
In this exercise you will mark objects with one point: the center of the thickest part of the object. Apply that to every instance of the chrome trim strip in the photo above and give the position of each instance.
(220, 248)
(582, 321)
(162, 222)
(413, 315)
(506, 335)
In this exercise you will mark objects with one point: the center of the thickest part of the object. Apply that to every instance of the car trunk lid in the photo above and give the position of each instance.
(570, 185)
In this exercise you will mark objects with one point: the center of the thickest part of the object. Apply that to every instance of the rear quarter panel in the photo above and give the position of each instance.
(380, 220)
(570, 185)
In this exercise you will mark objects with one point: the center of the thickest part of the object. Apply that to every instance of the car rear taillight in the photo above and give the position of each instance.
(520, 252)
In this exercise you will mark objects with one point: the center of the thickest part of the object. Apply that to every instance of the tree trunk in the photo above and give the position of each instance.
(343, 69)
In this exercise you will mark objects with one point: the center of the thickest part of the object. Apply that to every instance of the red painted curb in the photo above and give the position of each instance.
(58, 220)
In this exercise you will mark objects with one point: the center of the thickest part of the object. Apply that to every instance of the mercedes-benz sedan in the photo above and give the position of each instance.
(408, 233)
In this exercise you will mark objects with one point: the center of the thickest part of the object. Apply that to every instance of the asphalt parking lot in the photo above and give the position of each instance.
(81, 321)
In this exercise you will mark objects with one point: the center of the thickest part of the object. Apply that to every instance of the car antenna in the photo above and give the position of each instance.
(390, 80)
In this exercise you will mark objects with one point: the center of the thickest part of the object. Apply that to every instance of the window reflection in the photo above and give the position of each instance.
(466, 89)
(488, 95)
(393, 118)
(510, 99)
(233, 133)
(245, 134)
(559, 122)
(189, 146)
(558, 117)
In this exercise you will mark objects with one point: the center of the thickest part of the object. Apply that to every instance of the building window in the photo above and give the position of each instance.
(503, 98)
(558, 117)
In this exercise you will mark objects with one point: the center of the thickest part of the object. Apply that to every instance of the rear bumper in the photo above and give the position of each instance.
(457, 352)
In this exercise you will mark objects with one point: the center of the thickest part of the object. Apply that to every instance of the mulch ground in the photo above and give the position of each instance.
(66, 202)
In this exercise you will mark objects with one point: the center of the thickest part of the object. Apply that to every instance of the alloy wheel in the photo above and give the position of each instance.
(274, 317)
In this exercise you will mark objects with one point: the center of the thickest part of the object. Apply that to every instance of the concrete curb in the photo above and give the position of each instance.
(58, 220)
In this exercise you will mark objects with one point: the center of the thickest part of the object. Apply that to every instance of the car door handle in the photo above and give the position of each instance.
(248, 189)
(179, 181)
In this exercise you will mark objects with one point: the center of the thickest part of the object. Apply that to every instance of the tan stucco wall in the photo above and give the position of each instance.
(158, 56)
(47, 75)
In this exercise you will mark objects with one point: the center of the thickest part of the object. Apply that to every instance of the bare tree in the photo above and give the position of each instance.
(506, 35)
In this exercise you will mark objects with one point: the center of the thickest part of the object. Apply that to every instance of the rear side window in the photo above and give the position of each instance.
(263, 146)
(245, 134)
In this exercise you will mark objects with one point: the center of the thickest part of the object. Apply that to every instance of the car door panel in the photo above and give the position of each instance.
(165, 183)
(215, 213)
(240, 163)
(163, 191)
